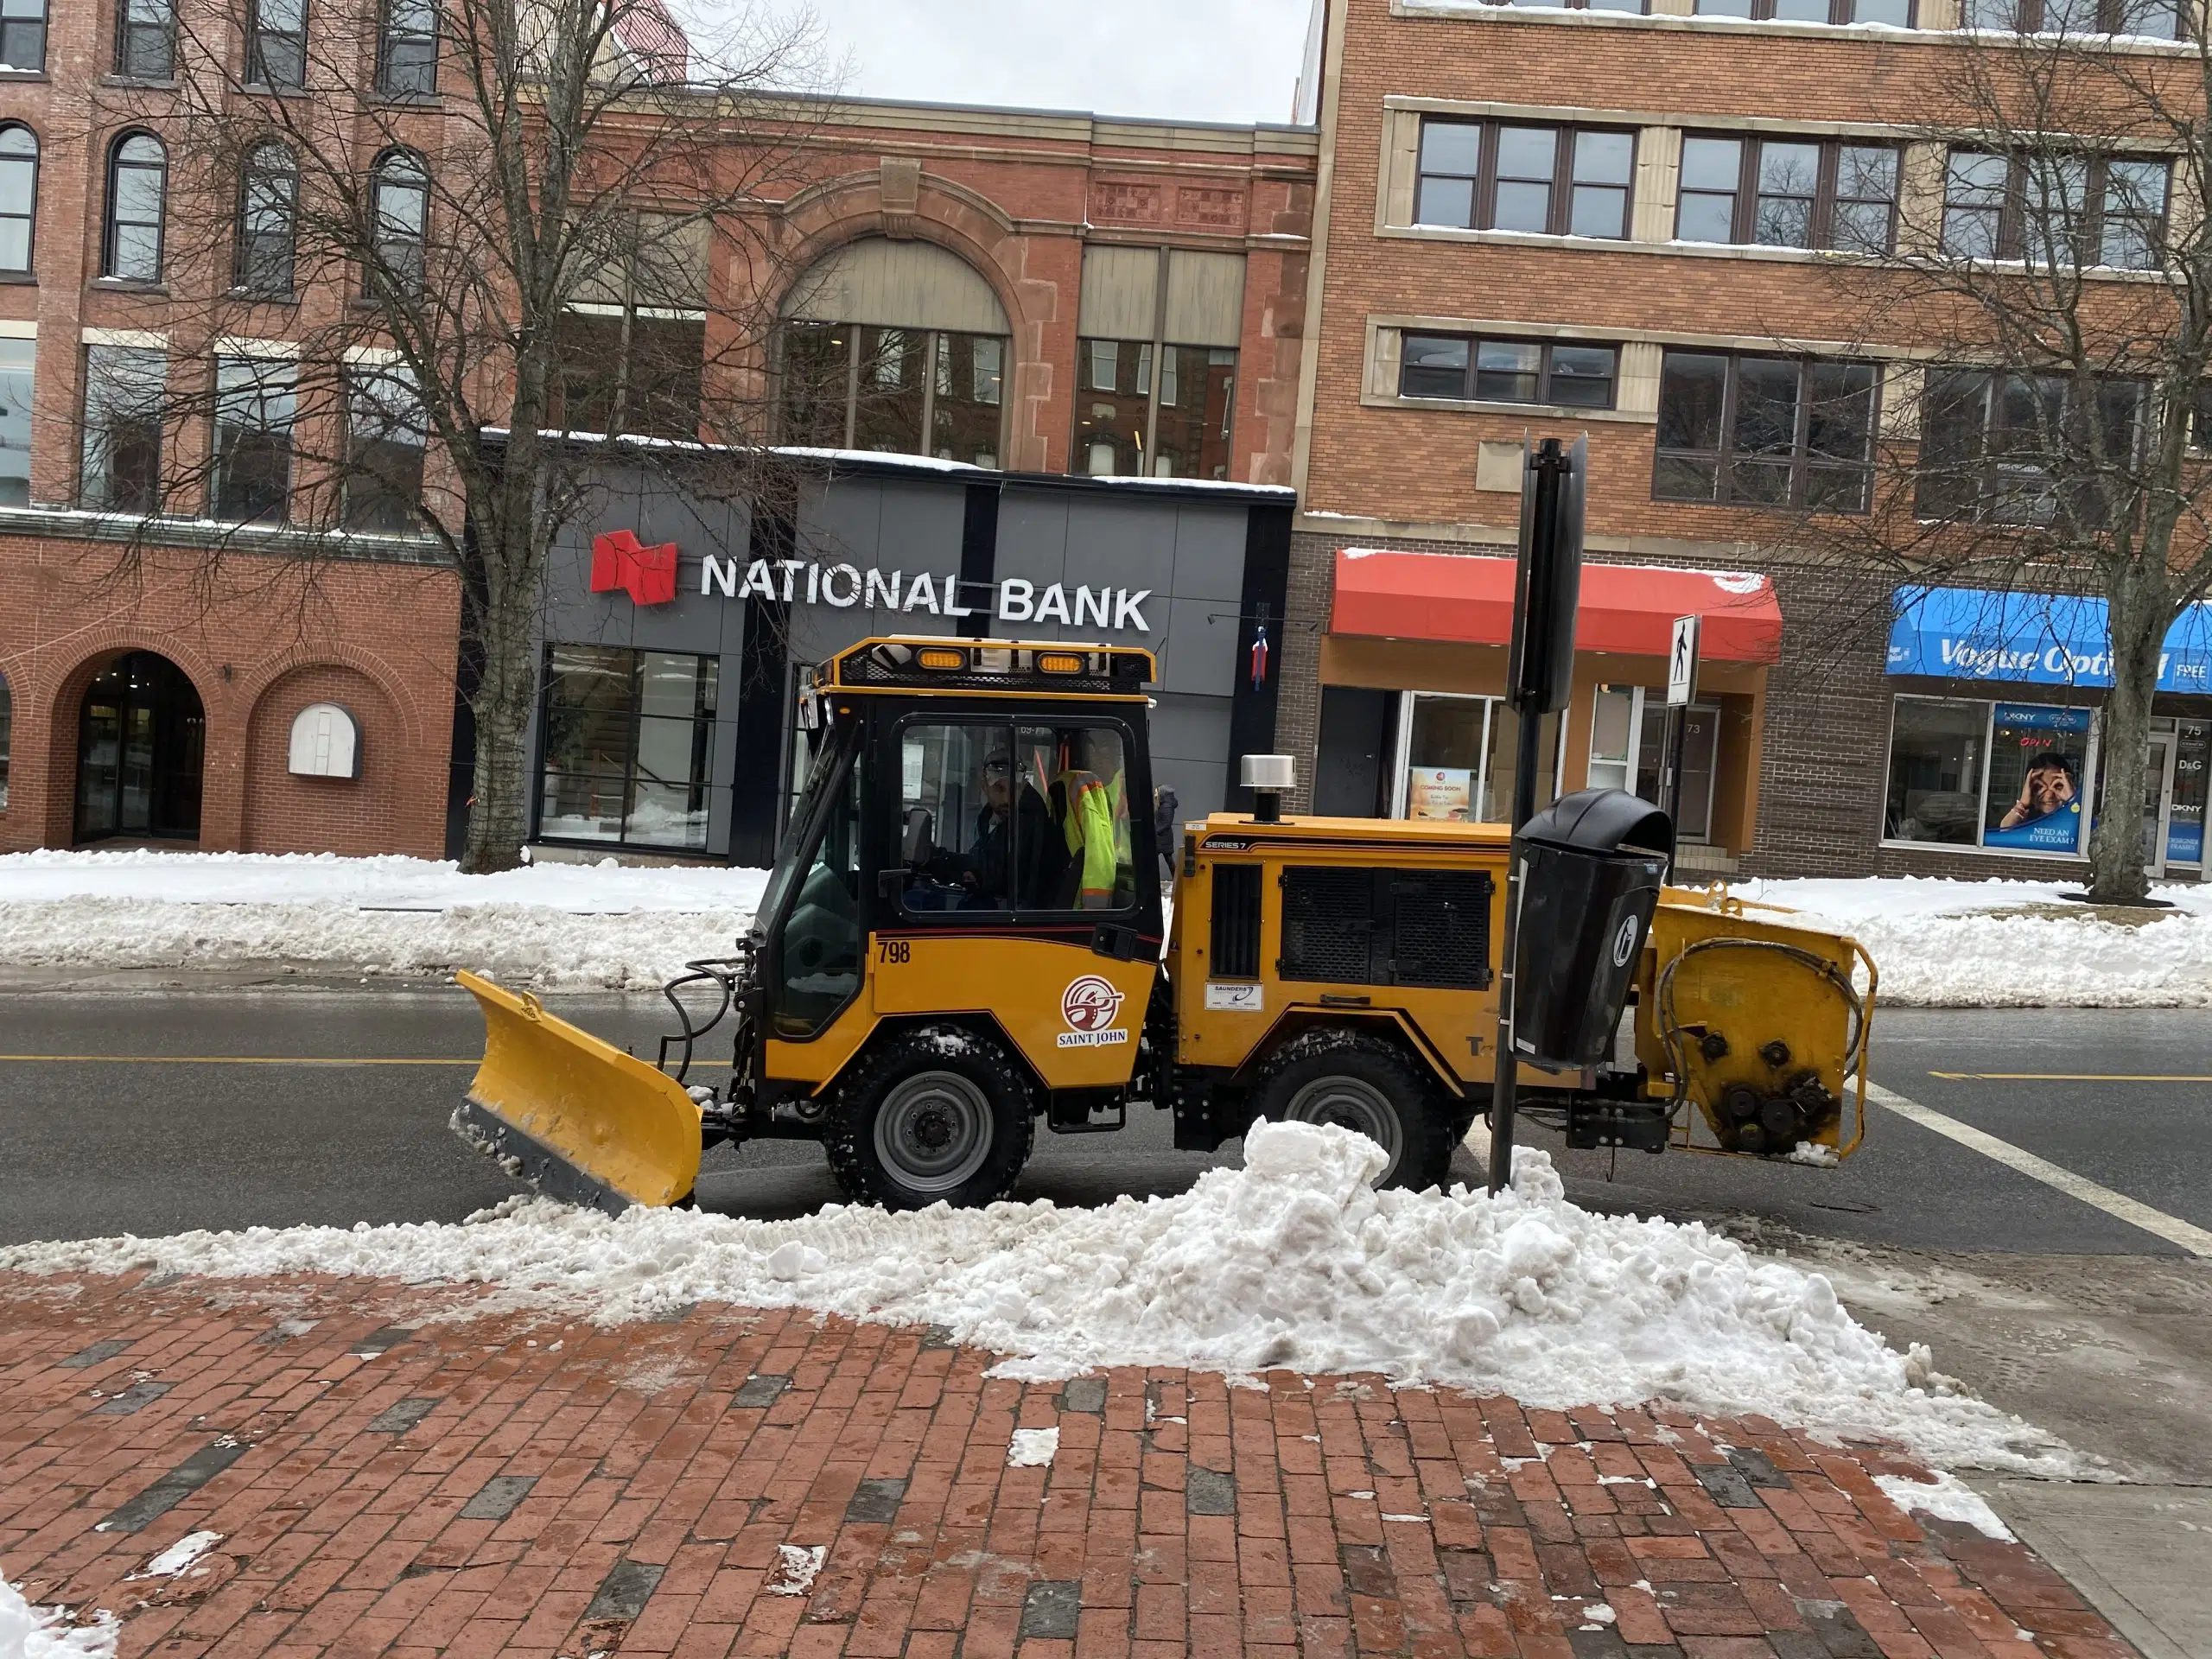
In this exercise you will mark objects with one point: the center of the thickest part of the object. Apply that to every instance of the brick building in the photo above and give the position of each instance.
(1606, 220)
(1011, 292)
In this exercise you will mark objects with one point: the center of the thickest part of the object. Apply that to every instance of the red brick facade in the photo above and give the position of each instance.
(260, 636)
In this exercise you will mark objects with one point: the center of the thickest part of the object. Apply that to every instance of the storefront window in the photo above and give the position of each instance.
(1457, 756)
(2185, 820)
(628, 743)
(2001, 775)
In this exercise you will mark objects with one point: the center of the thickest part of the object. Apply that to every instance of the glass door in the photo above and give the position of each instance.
(2157, 802)
(1700, 757)
(1442, 739)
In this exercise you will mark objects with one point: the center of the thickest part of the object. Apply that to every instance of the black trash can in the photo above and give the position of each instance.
(1591, 865)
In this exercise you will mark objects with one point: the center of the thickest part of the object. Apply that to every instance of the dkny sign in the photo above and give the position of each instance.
(810, 581)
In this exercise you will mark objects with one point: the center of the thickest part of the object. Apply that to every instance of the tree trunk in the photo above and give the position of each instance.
(498, 817)
(2139, 615)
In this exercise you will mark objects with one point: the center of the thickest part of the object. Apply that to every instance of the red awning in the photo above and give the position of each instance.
(1624, 607)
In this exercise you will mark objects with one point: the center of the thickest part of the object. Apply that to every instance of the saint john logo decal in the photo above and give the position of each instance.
(1088, 1005)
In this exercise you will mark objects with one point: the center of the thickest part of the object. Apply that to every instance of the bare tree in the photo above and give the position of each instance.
(496, 243)
(2049, 305)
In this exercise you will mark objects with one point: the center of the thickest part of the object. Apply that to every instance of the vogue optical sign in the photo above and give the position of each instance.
(843, 587)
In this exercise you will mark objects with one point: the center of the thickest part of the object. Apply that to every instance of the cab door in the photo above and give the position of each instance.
(1019, 878)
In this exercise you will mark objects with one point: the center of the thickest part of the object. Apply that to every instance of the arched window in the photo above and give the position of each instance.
(18, 198)
(268, 193)
(399, 203)
(145, 38)
(407, 49)
(138, 191)
(23, 34)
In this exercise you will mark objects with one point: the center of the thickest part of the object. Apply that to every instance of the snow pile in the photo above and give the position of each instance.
(29, 1632)
(1947, 1499)
(1293, 1261)
(1032, 1448)
(1941, 943)
(548, 925)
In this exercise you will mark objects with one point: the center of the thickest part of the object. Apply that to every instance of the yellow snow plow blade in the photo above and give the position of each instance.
(577, 1118)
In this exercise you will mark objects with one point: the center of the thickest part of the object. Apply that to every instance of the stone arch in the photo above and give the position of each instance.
(283, 813)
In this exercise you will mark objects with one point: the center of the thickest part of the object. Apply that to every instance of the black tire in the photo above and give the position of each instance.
(937, 1115)
(1362, 1082)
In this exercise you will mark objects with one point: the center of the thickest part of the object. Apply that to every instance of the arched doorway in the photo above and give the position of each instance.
(141, 735)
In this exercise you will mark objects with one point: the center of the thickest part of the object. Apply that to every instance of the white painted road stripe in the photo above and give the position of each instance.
(2195, 1240)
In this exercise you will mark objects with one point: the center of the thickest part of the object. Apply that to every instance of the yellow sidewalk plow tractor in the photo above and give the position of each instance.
(966, 936)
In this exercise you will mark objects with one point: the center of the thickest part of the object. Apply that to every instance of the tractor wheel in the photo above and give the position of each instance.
(1362, 1082)
(938, 1114)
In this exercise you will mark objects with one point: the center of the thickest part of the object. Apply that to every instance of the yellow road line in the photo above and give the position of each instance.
(2072, 1076)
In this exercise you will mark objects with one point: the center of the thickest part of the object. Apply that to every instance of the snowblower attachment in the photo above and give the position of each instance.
(577, 1118)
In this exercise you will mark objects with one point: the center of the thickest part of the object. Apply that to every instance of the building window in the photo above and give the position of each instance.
(124, 393)
(629, 738)
(137, 188)
(145, 38)
(1787, 192)
(1492, 175)
(2055, 210)
(1633, 7)
(1897, 14)
(895, 391)
(1765, 431)
(7, 724)
(268, 192)
(1127, 424)
(2024, 448)
(407, 49)
(2010, 776)
(277, 45)
(16, 359)
(386, 435)
(22, 35)
(254, 405)
(18, 198)
(2157, 19)
(634, 338)
(400, 204)
(1455, 756)
(1508, 371)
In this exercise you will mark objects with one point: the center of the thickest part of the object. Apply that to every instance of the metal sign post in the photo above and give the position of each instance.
(1547, 583)
(1682, 691)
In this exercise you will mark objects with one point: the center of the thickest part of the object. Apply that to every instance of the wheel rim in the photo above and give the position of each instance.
(934, 1131)
(1352, 1103)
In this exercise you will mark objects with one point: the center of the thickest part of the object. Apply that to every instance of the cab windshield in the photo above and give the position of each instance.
(831, 749)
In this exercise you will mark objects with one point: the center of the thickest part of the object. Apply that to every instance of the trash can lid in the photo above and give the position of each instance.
(1602, 821)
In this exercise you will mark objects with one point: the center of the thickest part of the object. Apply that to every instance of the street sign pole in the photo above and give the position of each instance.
(1547, 582)
(1682, 691)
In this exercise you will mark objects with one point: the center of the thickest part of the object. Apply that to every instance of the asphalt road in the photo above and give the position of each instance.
(152, 1113)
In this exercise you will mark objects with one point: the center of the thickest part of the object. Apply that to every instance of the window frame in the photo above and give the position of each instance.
(2092, 769)
(42, 21)
(1559, 216)
(92, 434)
(384, 174)
(1987, 461)
(1470, 376)
(243, 250)
(30, 216)
(279, 512)
(1802, 464)
(1744, 213)
(704, 728)
(126, 31)
(2029, 17)
(2013, 221)
(111, 224)
(389, 35)
(257, 61)
(846, 399)
(375, 483)
(1840, 14)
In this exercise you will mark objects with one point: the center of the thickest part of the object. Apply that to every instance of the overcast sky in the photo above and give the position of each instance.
(1202, 60)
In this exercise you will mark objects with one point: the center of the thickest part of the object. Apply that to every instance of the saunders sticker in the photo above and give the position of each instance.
(1088, 1005)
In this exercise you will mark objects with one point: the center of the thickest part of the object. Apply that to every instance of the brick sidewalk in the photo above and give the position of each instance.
(407, 1473)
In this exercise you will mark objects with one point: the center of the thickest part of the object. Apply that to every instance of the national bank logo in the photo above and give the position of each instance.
(621, 564)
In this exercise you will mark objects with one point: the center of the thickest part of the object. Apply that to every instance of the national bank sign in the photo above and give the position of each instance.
(843, 587)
